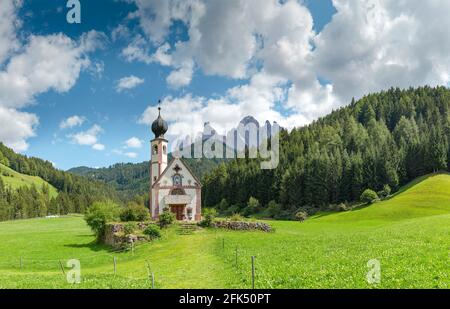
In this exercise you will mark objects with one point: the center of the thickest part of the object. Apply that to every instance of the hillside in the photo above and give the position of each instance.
(16, 180)
(424, 197)
(407, 234)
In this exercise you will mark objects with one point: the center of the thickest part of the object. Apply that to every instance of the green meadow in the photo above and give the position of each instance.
(408, 234)
(16, 180)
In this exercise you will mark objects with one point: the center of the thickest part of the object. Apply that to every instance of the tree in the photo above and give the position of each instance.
(368, 196)
(99, 214)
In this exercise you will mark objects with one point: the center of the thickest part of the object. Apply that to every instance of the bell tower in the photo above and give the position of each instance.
(158, 162)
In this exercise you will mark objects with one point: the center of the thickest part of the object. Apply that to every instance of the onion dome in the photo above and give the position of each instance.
(159, 126)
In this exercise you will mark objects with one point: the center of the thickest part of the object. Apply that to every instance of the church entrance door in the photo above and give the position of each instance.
(178, 210)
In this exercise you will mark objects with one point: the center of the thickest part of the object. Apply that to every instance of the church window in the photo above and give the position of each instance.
(177, 180)
(177, 191)
(155, 149)
(164, 149)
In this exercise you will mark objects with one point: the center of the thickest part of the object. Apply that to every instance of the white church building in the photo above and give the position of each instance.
(172, 184)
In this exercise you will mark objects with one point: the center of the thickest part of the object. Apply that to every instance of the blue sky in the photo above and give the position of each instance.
(217, 61)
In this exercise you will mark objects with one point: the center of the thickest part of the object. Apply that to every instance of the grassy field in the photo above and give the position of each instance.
(16, 180)
(409, 235)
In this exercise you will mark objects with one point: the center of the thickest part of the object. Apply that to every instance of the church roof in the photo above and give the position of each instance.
(185, 165)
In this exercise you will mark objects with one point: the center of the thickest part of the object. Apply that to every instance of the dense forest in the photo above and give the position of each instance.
(76, 193)
(382, 141)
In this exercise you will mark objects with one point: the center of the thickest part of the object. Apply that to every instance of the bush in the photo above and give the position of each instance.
(209, 214)
(152, 231)
(233, 209)
(99, 214)
(223, 205)
(166, 218)
(129, 228)
(273, 208)
(342, 207)
(301, 216)
(134, 212)
(252, 206)
(236, 217)
(386, 191)
(369, 196)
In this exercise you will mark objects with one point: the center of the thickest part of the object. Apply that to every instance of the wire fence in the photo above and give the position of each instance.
(244, 265)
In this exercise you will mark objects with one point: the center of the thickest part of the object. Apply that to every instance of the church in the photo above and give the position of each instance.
(172, 184)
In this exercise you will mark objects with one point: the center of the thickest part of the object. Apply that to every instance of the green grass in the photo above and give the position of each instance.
(16, 180)
(409, 234)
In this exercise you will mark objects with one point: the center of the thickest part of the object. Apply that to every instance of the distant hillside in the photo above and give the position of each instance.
(66, 193)
(133, 179)
(16, 180)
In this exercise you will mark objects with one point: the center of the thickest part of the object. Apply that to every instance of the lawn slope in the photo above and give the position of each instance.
(408, 234)
(16, 180)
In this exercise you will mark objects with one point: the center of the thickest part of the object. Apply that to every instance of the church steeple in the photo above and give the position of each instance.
(159, 126)
(158, 162)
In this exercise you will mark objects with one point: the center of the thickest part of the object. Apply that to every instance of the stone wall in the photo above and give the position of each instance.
(243, 225)
(113, 235)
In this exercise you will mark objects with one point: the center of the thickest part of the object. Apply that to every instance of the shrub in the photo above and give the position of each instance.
(236, 217)
(209, 214)
(273, 208)
(129, 228)
(232, 210)
(301, 216)
(386, 191)
(368, 196)
(99, 214)
(252, 206)
(342, 207)
(166, 218)
(223, 205)
(152, 231)
(134, 212)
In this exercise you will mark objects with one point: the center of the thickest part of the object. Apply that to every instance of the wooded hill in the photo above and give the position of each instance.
(75, 193)
(382, 141)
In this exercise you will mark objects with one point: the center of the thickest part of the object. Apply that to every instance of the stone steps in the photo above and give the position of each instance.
(187, 228)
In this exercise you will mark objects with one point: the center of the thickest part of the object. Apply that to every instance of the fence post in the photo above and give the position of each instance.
(114, 260)
(62, 267)
(253, 272)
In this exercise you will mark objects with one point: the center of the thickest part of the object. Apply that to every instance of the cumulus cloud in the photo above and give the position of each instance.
(16, 128)
(8, 27)
(35, 66)
(133, 142)
(367, 46)
(127, 83)
(131, 155)
(88, 138)
(73, 121)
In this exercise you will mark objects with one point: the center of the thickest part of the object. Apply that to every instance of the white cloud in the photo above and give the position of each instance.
(88, 138)
(367, 46)
(131, 155)
(9, 24)
(16, 128)
(133, 142)
(128, 82)
(44, 63)
(73, 121)
(99, 147)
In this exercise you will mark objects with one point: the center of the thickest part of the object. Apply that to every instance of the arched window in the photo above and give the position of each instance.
(155, 149)
(177, 191)
(164, 150)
